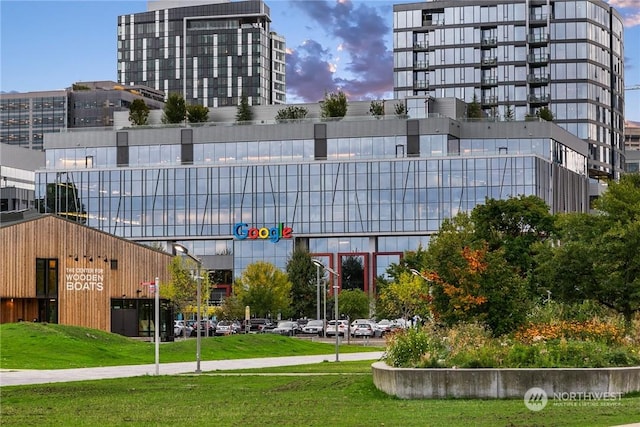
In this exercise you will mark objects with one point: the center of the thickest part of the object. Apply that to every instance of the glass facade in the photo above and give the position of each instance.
(24, 120)
(516, 57)
(374, 196)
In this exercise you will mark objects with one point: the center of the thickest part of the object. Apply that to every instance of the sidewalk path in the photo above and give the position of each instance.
(22, 377)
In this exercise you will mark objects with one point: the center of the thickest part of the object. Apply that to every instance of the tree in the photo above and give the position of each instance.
(231, 308)
(175, 110)
(472, 283)
(376, 109)
(302, 275)
(197, 113)
(596, 257)
(292, 112)
(182, 288)
(138, 112)
(474, 110)
(514, 224)
(544, 113)
(353, 303)
(244, 113)
(400, 109)
(265, 289)
(407, 296)
(508, 113)
(334, 105)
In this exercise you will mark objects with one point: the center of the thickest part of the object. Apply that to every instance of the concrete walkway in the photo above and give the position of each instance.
(31, 376)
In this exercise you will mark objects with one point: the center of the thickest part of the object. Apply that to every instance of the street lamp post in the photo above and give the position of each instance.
(335, 294)
(182, 249)
(317, 289)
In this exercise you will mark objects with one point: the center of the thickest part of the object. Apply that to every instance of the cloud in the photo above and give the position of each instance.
(629, 9)
(364, 69)
(624, 3)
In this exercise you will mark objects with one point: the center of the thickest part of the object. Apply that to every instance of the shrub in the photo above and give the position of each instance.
(591, 330)
(405, 348)
(593, 344)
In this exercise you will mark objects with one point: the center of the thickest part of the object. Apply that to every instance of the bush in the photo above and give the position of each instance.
(592, 344)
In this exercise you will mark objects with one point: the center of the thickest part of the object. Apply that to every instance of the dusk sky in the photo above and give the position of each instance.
(47, 45)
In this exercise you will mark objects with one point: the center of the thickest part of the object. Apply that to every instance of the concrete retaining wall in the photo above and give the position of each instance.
(485, 383)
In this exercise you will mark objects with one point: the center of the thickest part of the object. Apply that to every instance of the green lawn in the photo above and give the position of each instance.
(225, 399)
(29, 345)
(324, 394)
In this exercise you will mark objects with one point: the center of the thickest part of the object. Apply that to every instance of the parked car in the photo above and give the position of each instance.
(260, 325)
(342, 328)
(179, 327)
(228, 327)
(377, 332)
(206, 328)
(385, 325)
(286, 327)
(362, 330)
(314, 327)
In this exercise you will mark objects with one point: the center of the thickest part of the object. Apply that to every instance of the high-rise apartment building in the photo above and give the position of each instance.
(517, 58)
(212, 52)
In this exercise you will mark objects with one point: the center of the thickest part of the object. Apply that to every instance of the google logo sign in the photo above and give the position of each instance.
(242, 231)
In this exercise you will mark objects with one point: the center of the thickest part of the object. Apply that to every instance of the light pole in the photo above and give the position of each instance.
(179, 248)
(318, 264)
(335, 294)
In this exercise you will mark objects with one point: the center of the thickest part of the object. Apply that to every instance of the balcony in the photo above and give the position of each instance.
(538, 39)
(421, 45)
(421, 84)
(489, 100)
(538, 59)
(538, 79)
(539, 19)
(489, 61)
(489, 42)
(421, 65)
(489, 81)
(539, 99)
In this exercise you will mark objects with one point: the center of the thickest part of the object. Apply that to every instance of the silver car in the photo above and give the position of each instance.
(314, 327)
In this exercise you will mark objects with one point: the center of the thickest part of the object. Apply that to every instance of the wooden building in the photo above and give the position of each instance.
(59, 271)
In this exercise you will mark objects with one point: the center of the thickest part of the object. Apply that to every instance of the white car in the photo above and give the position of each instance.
(377, 332)
(342, 328)
(314, 327)
(179, 327)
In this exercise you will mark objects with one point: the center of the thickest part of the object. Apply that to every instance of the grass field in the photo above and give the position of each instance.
(325, 394)
(29, 345)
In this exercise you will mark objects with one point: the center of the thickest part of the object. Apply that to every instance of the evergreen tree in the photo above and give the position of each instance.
(302, 275)
(175, 109)
(197, 114)
(138, 112)
(545, 113)
(474, 110)
(244, 113)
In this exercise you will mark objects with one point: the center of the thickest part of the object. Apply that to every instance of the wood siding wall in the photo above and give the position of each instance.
(81, 301)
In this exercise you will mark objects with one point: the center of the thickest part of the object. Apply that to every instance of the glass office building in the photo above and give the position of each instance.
(515, 58)
(211, 52)
(360, 189)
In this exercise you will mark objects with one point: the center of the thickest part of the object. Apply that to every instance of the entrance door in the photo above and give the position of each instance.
(124, 321)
